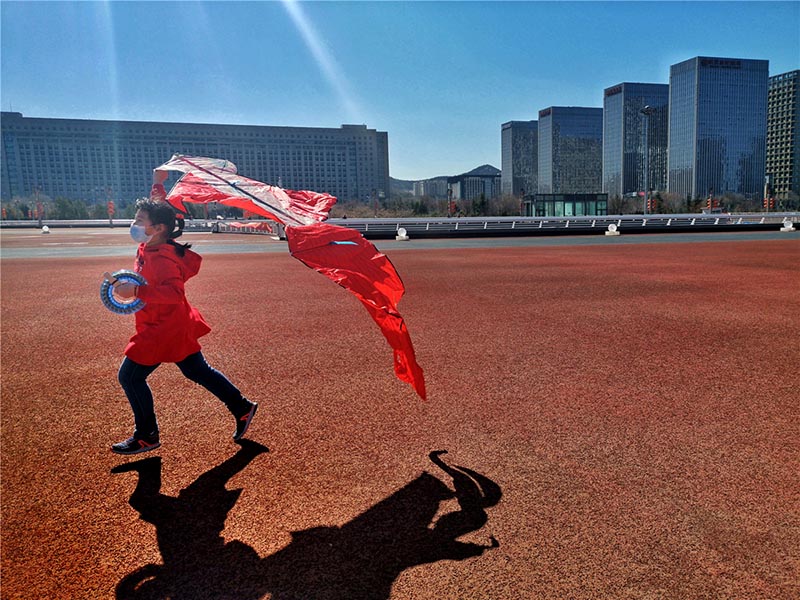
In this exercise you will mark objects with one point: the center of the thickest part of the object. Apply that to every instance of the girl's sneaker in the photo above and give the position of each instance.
(136, 445)
(243, 422)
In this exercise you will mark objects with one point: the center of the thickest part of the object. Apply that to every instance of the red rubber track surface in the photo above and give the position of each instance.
(636, 405)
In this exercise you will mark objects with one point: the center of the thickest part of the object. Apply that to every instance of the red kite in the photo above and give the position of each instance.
(341, 254)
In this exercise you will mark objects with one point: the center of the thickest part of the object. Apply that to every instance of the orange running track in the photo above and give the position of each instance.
(626, 417)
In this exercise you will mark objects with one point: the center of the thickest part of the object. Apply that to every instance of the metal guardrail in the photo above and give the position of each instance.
(483, 226)
(520, 226)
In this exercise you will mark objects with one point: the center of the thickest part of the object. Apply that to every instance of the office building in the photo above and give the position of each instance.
(635, 119)
(717, 127)
(570, 150)
(436, 187)
(783, 138)
(98, 160)
(519, 163)
(482, 181)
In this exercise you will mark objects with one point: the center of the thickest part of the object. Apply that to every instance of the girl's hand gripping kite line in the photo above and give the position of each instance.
(341, 254)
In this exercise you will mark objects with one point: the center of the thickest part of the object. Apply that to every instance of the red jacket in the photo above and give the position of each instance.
(167, 327)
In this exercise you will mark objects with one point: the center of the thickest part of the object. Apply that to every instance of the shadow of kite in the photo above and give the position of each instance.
(357, 561)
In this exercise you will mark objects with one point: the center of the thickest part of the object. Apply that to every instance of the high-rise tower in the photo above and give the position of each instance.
(717, 127)
(635, 137)
(783, 138)
(519, 149)
(570, 150)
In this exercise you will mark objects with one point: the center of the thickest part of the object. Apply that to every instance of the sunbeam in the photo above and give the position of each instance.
(109, 44)
(324, 59)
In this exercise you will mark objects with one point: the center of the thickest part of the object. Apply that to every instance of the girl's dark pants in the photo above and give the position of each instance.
(133, 379)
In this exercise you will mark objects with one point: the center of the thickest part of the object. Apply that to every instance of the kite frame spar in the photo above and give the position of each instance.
(284, 215)
(341, 254)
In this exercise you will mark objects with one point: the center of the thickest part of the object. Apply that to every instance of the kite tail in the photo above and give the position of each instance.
(394, 329)
(345, 257)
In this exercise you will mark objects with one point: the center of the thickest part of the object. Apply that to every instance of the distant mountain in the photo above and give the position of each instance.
(484, 171)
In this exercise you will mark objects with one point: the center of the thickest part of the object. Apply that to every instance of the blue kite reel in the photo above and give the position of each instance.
(121, 306)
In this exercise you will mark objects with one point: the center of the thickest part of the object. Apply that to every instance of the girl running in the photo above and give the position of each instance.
(167, 327)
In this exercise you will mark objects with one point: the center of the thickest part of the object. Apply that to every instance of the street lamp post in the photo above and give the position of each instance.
(646, 112)
(39, 209)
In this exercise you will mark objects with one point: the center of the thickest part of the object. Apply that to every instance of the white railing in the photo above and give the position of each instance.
(465, 226)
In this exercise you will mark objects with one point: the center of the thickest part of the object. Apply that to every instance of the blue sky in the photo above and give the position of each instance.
(440, 77)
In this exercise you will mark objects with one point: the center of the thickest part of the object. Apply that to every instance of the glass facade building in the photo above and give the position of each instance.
(783, 137)
(570, 150)
(98, 160)
(717, 127)
(565, 205)
(519, 167)
(625, 138)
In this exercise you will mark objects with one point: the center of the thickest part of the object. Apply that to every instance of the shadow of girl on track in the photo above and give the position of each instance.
(357, 561)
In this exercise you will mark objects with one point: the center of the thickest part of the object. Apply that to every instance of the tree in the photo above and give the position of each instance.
(66, 209)
(626, 205)
(480, 207)
(615, 205)
(792, 201)
(98, 211)
(740, 203)
(505, 206)
(672, 203)
(420, 207)
(16, 209)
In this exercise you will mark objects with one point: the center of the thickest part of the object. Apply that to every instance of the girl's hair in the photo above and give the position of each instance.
(161, 213)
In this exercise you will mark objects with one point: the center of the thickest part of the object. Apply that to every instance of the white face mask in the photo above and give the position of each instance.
(138, 234)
